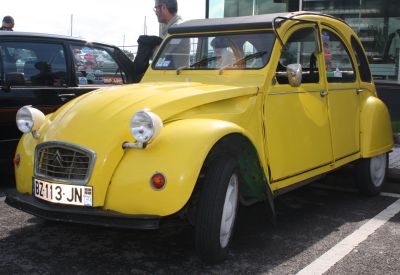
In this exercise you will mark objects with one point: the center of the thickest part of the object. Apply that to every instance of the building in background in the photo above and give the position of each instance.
(377, 23)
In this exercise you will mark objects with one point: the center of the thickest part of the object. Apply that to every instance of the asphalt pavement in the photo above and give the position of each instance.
(311, 221)
(393, 176)
(394, 163)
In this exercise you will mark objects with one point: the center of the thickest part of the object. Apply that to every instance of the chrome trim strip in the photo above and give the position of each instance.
(302, 92)
(8, 140)
(313, 91)
(343, 89)
(68, 146)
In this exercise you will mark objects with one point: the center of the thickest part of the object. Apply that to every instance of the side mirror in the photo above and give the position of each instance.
(294, 74)
(15, 79)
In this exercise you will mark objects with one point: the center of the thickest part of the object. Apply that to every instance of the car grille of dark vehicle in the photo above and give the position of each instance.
(63, 162)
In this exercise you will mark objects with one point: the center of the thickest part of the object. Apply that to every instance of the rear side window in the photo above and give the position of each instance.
(362, 63)
(94, 66)
(39, 64)
(338, 63)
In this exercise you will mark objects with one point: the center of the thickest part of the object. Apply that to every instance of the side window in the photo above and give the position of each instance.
(301, 48)
(9, 63)
(362, 62)
(94, 66)
(338, 64)
(40, 64)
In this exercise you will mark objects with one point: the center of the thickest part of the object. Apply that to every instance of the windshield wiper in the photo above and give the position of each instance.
(178, 71)
(203, 62)
(250, 57)
(206, 60)
(243, 59)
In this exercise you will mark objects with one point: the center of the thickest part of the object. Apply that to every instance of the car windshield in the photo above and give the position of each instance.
(226, 51)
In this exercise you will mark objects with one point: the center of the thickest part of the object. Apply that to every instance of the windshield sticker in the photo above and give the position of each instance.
(160, 62)
(166, 63)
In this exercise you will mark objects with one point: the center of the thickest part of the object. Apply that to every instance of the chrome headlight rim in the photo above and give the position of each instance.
(29, 119)
(145, 126)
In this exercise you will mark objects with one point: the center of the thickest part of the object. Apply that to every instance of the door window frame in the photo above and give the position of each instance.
(349, 54)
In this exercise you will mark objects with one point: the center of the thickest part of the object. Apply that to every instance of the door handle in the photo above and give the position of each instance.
(66, 95)
(323, 93)
(359, 91)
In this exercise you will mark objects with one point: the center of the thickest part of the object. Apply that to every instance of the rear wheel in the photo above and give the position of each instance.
(371, 174)
(217, 210)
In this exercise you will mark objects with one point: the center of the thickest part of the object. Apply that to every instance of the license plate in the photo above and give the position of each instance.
(63, 193)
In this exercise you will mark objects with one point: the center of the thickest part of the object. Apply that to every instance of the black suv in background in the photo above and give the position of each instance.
(46, 71)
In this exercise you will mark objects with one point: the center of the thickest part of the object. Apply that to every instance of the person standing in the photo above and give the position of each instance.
(166, 11)
(8, 23)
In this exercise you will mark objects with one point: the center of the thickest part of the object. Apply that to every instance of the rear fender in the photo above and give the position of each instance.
(375, 127)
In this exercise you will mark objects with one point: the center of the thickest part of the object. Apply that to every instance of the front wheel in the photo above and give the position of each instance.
(371, 174)
(217, 210)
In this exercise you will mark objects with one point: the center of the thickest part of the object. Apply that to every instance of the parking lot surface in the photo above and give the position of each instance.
(311, 221)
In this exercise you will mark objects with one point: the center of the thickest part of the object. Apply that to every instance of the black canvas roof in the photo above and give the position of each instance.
(230, 23)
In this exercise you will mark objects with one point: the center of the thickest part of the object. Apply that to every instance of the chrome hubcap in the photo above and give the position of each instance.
(229, 210)
(378, 169)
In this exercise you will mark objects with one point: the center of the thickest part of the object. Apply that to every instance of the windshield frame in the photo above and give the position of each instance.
(214, 34)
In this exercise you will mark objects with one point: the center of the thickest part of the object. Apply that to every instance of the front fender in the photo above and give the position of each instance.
(178, 153)
(375, 127)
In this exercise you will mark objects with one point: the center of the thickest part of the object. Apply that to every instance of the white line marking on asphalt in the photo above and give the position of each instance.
(340, 250)
(2, 198)
(393, 195)
(352, 190)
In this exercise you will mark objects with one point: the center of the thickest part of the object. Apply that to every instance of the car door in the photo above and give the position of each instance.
(95, 66)
(297, 124)
(343, 88)
(33, 73)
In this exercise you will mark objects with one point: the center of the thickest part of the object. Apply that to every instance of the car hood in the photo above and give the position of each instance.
(116, 105)
(99, 120)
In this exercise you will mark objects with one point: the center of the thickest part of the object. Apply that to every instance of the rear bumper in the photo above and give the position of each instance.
(84, 215)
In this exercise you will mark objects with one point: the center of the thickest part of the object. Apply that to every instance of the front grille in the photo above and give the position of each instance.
(63, 162)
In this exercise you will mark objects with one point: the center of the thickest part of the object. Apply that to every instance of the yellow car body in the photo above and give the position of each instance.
(290, 134)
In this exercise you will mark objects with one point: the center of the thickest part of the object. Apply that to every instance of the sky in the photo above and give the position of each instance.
(98, 20)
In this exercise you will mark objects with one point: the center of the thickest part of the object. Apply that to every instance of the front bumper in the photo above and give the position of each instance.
(84, 215)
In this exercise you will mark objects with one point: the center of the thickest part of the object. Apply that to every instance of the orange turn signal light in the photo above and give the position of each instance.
(158, 181)
(17, 160)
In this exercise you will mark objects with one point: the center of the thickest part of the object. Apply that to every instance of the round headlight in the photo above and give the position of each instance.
(145, 126)
(29, 119)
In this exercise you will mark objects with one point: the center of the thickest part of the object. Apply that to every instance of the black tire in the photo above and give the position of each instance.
(371, 174)
(212, 244)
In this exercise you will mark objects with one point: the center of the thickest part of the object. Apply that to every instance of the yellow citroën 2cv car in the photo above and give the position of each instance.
(231, 111)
